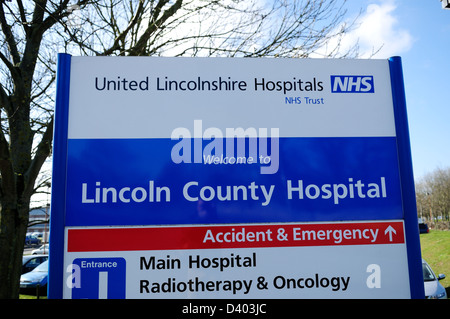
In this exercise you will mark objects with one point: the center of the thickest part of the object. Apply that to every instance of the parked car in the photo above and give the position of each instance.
(32, 261)
(39, 235)
(43, 250)
(32, 240)
(35, 279)
(433, 288)
(423, 228)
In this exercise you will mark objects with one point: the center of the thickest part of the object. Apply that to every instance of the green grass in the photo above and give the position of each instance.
(21, 296)
(436, 251)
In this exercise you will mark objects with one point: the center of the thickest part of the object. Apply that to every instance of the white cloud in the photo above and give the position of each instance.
(378, 30)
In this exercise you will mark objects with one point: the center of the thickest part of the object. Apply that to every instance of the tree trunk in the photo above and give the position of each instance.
(12, 239)
(17, 184)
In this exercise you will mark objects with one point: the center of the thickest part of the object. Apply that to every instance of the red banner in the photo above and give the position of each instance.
(235, 236)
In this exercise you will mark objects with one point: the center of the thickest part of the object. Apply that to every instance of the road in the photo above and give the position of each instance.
(28, 250)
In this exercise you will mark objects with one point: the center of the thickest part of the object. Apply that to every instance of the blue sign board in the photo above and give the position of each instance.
(168, 142)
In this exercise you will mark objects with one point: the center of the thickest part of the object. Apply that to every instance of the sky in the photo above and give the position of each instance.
(419, 32)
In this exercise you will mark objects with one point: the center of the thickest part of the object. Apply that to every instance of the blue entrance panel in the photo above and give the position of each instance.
(99, 278)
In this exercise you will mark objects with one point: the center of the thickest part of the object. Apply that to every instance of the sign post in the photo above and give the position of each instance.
(232, 178)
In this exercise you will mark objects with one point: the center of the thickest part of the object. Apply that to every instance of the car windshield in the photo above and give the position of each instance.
(427, 273)
(42, 267)
(26, 258)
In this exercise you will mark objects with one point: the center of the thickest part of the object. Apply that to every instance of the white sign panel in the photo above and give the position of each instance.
(245, 261)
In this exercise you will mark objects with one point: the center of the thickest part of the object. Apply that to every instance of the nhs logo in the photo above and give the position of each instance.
(352, 84)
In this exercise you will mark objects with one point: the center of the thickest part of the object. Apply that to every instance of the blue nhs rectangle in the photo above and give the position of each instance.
(352, 84)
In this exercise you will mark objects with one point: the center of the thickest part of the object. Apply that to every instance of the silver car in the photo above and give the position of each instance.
(43, 250)
(433, 288)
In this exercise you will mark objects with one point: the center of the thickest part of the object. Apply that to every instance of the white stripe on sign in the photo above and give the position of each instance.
(103, 285)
